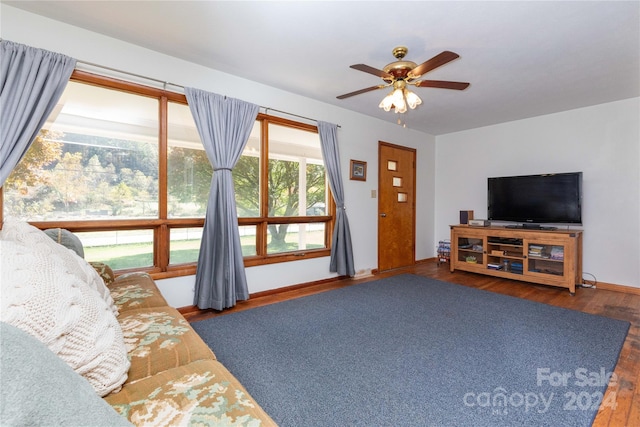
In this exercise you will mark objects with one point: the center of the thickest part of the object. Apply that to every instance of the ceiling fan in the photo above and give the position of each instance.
(400, 74)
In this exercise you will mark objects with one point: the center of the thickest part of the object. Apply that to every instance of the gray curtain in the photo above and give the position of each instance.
(31, 82)
(224, 125)
(341, 250)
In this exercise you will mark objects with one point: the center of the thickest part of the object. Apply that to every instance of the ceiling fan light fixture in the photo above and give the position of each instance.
(412, 99)
(402, 108)
(399, 99)
(387, 102)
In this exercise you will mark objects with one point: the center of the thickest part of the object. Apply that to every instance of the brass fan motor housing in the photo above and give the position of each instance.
(399, 69)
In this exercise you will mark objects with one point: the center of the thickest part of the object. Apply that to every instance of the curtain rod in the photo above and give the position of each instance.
(166, 83)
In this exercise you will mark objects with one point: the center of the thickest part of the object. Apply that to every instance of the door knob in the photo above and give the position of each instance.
(383, 215)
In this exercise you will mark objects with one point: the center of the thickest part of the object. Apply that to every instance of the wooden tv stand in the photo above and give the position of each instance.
(548, 257)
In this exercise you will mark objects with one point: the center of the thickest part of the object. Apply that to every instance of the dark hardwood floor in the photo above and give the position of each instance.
(625, 393)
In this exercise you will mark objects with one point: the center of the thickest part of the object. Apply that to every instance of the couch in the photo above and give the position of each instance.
(151, 369)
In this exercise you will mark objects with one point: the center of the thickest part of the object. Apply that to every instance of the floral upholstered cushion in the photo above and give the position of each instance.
(104, 271)
(203, 393)
(132, 291)
(158, 339)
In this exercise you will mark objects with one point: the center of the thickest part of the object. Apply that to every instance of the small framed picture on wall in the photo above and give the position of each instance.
(358, 170)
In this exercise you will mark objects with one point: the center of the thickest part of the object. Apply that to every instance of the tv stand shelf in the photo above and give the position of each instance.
(545, 256)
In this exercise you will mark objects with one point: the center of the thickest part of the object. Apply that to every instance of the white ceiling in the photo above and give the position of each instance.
(522, 58)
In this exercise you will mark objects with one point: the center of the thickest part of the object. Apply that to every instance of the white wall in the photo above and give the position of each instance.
(358, 138)
(602, 141)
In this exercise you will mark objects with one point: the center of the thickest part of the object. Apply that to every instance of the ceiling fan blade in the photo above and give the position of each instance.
(371, 70)
(433, 63)
(442, 84)
(358, 92)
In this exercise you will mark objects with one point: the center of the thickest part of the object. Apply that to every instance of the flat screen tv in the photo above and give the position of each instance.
(536, 199)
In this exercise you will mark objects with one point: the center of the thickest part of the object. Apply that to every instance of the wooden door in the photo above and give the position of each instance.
(396, 206)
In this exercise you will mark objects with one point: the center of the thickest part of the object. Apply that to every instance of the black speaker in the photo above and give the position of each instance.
(465, 216)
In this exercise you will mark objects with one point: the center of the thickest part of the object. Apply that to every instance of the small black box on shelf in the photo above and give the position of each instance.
(465, 216)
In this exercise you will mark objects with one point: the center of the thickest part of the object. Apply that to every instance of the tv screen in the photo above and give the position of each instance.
(536, 199)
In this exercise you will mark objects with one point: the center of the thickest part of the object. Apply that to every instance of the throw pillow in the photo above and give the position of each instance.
(38, 388)
(28, 235)
(40, 296)
(66, 239)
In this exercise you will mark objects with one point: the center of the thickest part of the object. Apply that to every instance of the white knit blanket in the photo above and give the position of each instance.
(41, 296)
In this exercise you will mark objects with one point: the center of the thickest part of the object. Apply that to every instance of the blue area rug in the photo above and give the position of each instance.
(412, 351)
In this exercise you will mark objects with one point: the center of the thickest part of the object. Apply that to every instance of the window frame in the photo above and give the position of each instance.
(162, 225)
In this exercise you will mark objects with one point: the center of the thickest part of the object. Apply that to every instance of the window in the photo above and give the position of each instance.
(122, 165)
(296, 189)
